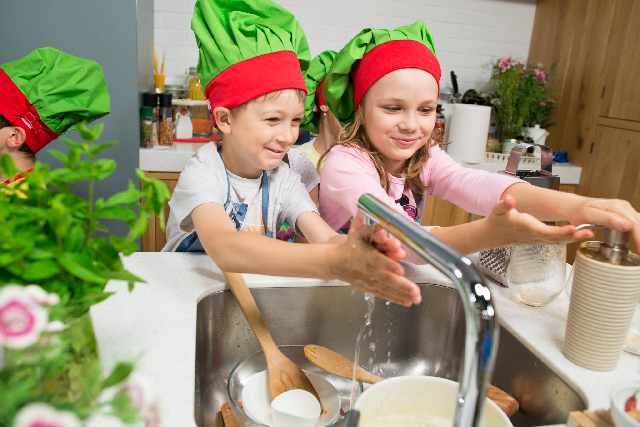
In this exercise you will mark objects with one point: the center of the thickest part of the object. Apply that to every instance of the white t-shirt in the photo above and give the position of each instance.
(204, 180)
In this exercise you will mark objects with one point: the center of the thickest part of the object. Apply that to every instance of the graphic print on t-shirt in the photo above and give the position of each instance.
(411, 210)
(246, 218)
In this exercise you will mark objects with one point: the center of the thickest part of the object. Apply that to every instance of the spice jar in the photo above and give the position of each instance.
(437, 136)
(151, 100)
(196, 92)
(165, 119)
(146, 127)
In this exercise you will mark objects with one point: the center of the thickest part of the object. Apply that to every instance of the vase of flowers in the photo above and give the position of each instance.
(522, 96)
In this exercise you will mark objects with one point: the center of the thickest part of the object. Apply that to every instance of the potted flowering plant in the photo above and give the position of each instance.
(53, 266)
(522, 96)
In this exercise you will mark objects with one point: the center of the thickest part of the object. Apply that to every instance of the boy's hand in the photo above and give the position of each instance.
(508, 227)
(359, 262)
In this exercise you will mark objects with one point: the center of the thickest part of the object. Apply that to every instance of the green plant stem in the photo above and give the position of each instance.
(92, 180)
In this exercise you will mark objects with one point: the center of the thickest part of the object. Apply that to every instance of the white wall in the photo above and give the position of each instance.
(468, 34)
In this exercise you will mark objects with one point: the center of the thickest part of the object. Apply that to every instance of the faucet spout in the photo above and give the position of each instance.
(482, 330)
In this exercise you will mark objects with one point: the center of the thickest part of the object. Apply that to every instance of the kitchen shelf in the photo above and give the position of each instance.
(186, 103)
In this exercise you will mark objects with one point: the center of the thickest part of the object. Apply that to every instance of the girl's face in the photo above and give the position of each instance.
(400, 114)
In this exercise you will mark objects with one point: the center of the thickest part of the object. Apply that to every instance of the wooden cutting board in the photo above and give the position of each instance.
(599, 418)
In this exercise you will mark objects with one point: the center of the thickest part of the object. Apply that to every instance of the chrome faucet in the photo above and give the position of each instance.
(482, 330)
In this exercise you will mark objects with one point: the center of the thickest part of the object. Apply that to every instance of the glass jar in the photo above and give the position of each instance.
(196, 92)
(165, 120)
(536, 274)
(146, 127)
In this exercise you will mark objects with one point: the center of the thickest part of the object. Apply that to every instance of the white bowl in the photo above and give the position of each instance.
(619, 397)
(408, 400)
(256, 398)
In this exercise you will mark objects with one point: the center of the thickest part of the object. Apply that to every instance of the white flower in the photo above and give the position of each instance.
(55, 326)
(21, 320)
(42, 414)
(40, 296)
(143, 399)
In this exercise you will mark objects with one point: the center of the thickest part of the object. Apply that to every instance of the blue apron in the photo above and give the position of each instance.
(236, 212)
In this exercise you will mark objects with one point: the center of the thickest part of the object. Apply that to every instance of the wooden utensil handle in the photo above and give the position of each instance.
(505, 401)
(250, 309)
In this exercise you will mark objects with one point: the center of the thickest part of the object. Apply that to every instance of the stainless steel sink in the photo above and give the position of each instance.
(427, 339)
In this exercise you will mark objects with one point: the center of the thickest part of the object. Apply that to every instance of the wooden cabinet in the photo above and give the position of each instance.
(154, 238)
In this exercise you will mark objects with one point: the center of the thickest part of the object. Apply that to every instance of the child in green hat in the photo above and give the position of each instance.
(318, 118)
(232, 196)
(384, 86)
(44, 95)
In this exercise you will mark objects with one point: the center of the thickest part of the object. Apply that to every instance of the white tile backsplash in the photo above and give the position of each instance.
(468, 34)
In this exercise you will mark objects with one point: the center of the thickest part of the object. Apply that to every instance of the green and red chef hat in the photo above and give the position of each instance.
(369, 56)
(248, 48)
(314, 79)
(48, 92)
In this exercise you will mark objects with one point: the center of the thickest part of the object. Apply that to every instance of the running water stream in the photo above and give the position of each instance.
(370, 299)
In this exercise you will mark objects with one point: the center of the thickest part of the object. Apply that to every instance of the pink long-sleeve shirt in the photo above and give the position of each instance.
(349, 173)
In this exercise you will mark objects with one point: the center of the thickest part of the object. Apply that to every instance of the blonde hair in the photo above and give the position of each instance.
(354, 135)
(302, 96)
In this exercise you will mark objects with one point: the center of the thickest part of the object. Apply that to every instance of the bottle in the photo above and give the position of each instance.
(605, 290)
(195, 88)
(165, 119)
(146, 127)
(437, 136)
(184, 128)
(151, 99)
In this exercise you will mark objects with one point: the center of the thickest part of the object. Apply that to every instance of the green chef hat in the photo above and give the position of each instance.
(248, 48)
(314, 79)
(369, 56)
(48, 92)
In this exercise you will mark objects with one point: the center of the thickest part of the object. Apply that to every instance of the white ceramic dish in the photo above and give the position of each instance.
(619, 397)
(256, 399)
(295, 408)
(417, 400)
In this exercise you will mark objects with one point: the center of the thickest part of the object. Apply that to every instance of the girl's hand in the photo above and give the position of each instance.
(613, 213)
(368, 260)
(508, 227)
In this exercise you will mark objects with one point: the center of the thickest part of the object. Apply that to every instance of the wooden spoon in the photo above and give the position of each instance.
(283, 373)
(333, 363)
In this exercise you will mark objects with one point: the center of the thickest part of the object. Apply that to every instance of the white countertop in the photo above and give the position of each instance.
(156, 325)
(174, 157)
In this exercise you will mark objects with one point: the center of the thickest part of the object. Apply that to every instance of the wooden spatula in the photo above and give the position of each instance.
(283, 373)
(332, 362)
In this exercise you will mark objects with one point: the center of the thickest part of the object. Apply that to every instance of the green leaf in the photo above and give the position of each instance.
(103, 168)
(92, 133)
(123, 275)
(73, 264)
(124, 197)
(98, 148)
(120, 373)
(64, 159)
(40, 270)
(7, 166)
(119, 212)
(70, 142)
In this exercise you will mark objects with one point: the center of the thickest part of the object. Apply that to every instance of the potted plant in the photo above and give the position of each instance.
(56, 257)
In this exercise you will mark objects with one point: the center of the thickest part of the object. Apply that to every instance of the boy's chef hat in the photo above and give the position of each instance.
(314, 79)
(369, 56)
(248, 48)
(48, 92)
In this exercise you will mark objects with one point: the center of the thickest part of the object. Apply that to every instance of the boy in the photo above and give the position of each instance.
(44, 95)
(251, 54)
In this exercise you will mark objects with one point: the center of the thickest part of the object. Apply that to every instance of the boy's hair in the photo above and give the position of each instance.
(354, 135)
(302, 95)
(23, 148)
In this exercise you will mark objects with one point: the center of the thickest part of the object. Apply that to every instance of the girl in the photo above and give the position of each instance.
(384, 87)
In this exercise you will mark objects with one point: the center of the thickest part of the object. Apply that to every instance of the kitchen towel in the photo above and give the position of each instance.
(468, 130)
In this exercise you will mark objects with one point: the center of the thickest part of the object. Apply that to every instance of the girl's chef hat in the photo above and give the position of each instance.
(248, 48)
(369, 56)
(314, 79)
(48, 92)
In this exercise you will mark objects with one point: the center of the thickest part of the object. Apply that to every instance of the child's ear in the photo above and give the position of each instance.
(222, 117)
(17, 137)
(324, 108)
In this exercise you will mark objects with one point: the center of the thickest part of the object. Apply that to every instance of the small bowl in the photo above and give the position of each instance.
(255, 362)
(619, 397)
(297, 408)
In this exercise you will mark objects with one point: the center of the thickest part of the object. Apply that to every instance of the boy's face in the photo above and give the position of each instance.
(262, 133)
(400, 114)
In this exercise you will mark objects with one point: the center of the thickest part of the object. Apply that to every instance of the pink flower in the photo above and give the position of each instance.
(40, 296)
(142, 398)
(44, 415)
(539, 65)
(551, 101)
(504, 64)
(544, 104)
(21, 320)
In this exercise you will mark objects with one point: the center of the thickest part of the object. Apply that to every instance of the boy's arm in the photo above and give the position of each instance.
(355, 261)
